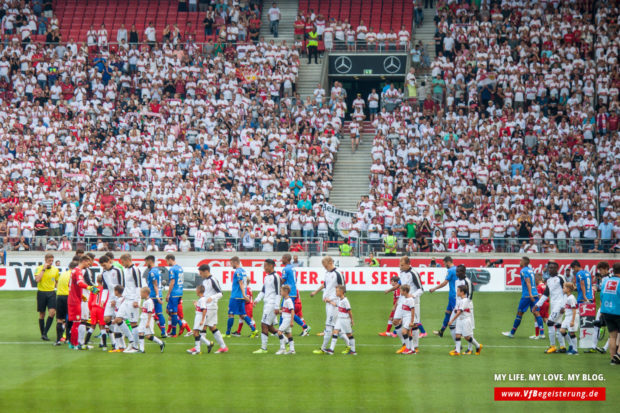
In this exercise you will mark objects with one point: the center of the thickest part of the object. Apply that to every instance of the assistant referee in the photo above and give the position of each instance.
(46, 277)
(610, 310)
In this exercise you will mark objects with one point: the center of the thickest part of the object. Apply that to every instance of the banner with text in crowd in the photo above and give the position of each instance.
(338, 220)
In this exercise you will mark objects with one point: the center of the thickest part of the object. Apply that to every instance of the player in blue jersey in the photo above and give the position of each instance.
(236, 305)
(583, 281)
(450, 281)
(610, 310)
(153, 279)
(175, 292)
(529, 297)
(288, 278)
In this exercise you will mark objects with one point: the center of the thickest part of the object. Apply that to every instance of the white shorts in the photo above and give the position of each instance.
(555, 315)
(566, 325)
(128, 312)
(211, 319)
(146, 328)
(398, 314)
(330, 315)
(405, 321)
(198, 324)
(464, 327)
(109, 310)
(344, 325)
(285, 326)
(85, 311)
(269, 316)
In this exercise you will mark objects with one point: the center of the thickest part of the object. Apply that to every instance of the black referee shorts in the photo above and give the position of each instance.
(61, 307)
(612, 321)
(46, 300)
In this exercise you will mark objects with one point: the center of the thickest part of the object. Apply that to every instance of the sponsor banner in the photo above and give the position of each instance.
(338, 219)
(511, 265)
(308, 278)
(588, 333)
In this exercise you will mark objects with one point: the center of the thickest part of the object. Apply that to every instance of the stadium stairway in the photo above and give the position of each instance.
(352, 169)
(426, 33)
(309, 77)
(288, 15)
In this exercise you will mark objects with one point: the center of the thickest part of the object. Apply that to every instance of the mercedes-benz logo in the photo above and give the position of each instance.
(343, 64)
(391, 64)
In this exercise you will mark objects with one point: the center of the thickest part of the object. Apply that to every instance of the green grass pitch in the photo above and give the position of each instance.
(38, 377)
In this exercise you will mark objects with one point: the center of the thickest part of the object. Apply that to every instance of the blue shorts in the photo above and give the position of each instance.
(236, 306)
(526, 304)
(157, 305)
(173, 304)
(451, 304)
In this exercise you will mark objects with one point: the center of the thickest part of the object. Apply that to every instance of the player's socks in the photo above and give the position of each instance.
(42, 326)
(263, 341)
(249, 322)
(291, 344)
(59, 330)
(125, 331)
(204, 340)
(541, 325)
(473, 341)
(300, 321)
(217, 334)
(240, 327)
(169, 329)
(551, 335)
(141, 342)
(333, 343)
(327, 335)
(406, 341)
(48, 324)
(104, 338)
(453, 332)
(573, 340)
(560, 337)
(74, 333)
(352, 343)
(457, 342)
(399, 333)
(446, 320)
(136, 336)
(185, 326)
(282, 342)
(415, 339)
(68, 329)
(197, 343)
(516, 324)
(156, 340)
(421, 327)
(389, 326)
(537, 329)
(606, 346)
(81, 333)
(161, 321)
(89, 334)
(175, 322)
(231, 321)
(345, 338)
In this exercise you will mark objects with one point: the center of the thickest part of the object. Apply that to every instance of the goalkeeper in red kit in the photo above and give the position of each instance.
(74, 302)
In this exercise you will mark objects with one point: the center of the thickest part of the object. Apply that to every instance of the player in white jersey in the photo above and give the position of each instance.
(570, 324)
(462, 279)
(147, 321)
(129, 308)
(271, 295)
(112, 277)
(411, 278)
(213, 293)
(555, 294)
(344, 322)
(408, 321)
(199, 322)
(464, 318)
(284, 331)
(332, 279)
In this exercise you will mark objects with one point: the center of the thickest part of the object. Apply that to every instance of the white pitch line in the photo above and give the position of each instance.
(297, 344)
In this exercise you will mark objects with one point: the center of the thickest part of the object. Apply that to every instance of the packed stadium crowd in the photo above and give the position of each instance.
(512, 142)
(512, 145)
